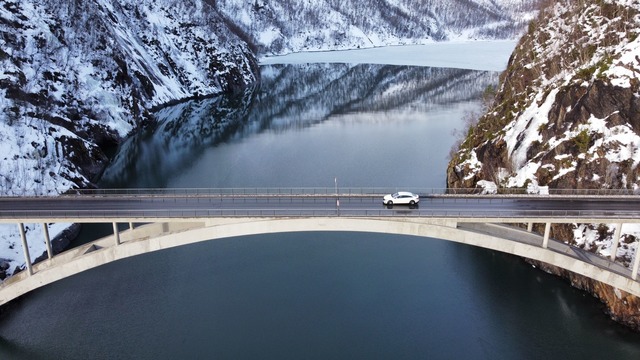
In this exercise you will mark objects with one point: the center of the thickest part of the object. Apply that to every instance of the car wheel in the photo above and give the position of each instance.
(389, 202)
(412, 202)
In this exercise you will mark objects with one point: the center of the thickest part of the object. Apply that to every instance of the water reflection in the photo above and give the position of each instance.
(289, 97)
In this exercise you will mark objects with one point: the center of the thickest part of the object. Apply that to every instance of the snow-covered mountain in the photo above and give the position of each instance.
(567, 115)
(277, 27)
(79, 75)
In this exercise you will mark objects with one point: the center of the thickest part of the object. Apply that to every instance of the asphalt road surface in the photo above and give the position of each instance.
(140, 206)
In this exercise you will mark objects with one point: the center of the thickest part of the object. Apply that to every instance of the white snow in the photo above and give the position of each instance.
(477, 55)
(269, 35)
(474, 55)
(488, 187)
(11, 243)
(472, 164)
(527, 172)
(587, 236)
(522, 132)
(627, 68)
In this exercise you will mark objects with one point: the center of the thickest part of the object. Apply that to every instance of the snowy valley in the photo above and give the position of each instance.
(78, 78)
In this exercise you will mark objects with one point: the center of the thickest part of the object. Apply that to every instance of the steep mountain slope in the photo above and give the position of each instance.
(76, 76)
(277, 27)
(567, 115)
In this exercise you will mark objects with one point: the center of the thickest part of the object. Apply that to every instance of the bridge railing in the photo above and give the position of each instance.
(350, 191)
(398, 211)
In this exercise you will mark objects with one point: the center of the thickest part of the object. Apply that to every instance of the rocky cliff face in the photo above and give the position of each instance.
(567, 115)
(77, 76)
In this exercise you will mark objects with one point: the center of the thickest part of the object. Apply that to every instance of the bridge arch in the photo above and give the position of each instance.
(154, 237)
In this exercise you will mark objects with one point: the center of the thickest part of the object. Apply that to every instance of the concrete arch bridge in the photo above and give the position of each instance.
(168, 218)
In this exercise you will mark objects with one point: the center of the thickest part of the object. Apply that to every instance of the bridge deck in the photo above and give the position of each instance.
(125, 208)
(178, 219)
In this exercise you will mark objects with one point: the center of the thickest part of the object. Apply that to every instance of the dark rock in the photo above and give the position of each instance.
(588, 95)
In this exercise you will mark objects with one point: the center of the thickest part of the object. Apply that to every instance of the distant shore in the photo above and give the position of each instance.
(473, 55)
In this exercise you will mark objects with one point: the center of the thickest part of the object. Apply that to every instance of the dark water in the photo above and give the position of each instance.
(312, 295)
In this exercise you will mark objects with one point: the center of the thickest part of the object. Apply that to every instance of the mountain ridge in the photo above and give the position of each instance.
(277, 28)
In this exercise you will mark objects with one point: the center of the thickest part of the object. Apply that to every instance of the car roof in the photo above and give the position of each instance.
(404, 193)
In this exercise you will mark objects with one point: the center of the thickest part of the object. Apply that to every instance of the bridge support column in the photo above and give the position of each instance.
(616, 241)
(636, 264)
(130, 226)
(116, 233)
(25, 248)
(47, 240)
(530, 227)
(547, 230)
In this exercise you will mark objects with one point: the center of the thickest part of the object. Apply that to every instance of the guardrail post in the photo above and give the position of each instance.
(530, 227)
(25, 248)
(616, 241)
(116, 233)
(47, 240)
(547, 230)
(636, 264)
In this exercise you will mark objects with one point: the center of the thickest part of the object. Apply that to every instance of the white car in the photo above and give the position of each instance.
(401, 197)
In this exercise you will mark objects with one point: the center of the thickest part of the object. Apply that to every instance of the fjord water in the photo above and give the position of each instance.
(312, 295)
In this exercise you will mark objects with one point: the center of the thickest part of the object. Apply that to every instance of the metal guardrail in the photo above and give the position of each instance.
(397, 211)
(345, 191)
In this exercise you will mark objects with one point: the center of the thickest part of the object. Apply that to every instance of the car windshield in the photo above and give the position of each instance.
(395, 195)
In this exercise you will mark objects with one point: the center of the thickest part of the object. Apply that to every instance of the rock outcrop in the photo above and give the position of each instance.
(567, 116)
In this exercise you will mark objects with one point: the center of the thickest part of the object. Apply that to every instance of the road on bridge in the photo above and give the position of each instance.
(180, 206)
(168, 209)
